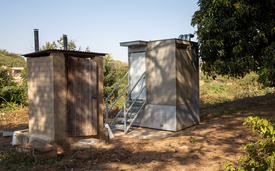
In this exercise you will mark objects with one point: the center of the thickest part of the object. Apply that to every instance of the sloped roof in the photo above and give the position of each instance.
(47, 52)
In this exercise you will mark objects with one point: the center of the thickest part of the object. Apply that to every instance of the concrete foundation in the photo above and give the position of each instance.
(170, 118)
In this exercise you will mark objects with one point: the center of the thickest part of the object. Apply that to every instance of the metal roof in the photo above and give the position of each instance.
(144, 43)
(134, 43)
(47, 52)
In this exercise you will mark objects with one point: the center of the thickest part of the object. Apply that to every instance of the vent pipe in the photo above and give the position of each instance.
(186, 37)
(36, 40)
(190, 36)
(65, 43)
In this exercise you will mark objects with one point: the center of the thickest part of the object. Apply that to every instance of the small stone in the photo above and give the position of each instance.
(163, 159)
(195, 148)
(168, 149)
(204, 149)
(167, 160)
(182, 149)
(199, 138)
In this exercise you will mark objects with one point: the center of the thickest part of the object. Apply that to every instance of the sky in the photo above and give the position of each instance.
(99, 24)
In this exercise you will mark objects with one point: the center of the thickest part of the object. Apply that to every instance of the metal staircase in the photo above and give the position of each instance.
(131, 108)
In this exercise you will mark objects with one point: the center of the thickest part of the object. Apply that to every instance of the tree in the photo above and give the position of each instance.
(59, 45)
(11, 59)
(113, 72)
(236, 37)
(110, 76)
(11, 92)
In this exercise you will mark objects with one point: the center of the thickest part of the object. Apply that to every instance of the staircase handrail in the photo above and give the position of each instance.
(135, 99)
(125, 113)
(107, 110)
(129, 93)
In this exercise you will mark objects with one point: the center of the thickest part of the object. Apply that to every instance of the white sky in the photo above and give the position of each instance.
(99, 24)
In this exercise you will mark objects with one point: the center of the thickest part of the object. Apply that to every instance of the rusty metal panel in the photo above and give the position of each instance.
(82, 102)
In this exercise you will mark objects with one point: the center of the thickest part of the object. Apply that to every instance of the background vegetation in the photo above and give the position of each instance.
(11, 59)
(12, 94)
(113, 72)
(225, 88)
(236, 37)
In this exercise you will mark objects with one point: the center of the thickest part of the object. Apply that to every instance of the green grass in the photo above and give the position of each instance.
(10, 159)
(192, 140)
(225, 89)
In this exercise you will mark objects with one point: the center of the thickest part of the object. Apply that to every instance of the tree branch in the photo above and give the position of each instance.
(268, 12)
(272, 5)
(257, 58)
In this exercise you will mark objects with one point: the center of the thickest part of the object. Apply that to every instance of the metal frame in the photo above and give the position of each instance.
(127, 97)
(107, 111)
(126, 100)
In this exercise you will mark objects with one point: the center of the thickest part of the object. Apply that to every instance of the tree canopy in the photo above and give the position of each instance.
(59, 45)
(236, 37)
(113, 72)
(11, 59)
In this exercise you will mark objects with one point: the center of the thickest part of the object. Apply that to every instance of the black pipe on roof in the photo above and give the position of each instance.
(36, 40)
(65, 44)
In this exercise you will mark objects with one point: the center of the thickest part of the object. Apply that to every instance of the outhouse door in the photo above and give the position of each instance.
(137, 68)
(82, 100)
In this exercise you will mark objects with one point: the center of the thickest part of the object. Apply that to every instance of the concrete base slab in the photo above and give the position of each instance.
(142, 133)
(24, 137)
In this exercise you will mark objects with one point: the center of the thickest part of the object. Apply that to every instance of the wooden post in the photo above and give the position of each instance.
(100, 95)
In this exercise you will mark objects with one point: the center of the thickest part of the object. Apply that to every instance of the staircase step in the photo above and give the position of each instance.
(132, 114)
(117, 126)
(133, 107)
(136, 102)
(122, 119)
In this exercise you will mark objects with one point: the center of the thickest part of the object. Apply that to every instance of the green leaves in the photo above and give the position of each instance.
(11, 59)
(12, 92)
(259, 155)
(239, 34)
(263, 126)
(113, 72)
(60, 45)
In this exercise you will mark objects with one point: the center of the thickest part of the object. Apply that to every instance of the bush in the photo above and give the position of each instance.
(205, 78)
(113, 72)
(259, 155)
(12, 93)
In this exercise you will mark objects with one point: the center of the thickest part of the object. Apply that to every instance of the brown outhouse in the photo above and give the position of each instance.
(65, 90)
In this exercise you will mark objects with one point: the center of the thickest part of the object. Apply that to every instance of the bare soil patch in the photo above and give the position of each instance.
(215, 140)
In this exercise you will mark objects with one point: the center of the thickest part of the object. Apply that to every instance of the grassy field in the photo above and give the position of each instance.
(225, 89)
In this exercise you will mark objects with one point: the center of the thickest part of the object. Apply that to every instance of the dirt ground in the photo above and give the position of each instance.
(215, 140)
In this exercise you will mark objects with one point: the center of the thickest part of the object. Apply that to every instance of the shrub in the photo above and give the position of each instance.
(259, 155)
(11, 92)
